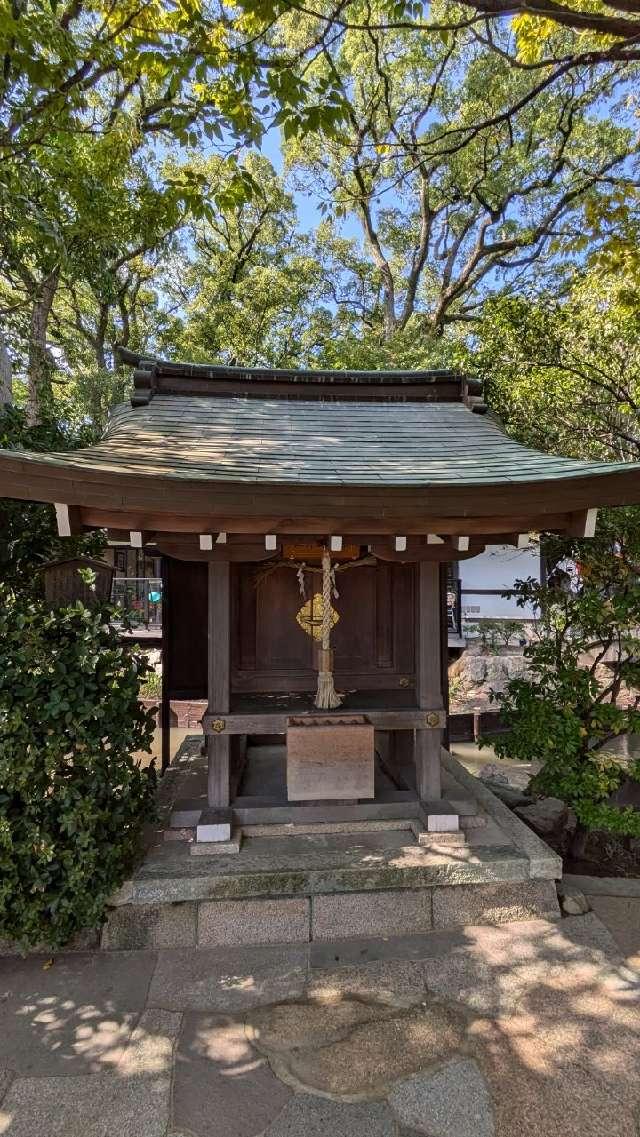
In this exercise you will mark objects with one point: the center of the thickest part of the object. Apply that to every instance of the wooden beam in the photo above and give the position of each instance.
(428, 678)
(350, 525)
(92, 485)
(219, 681)
(416, 551)
(185, 550)
(68, 520)
(583, 523)
(275, 722)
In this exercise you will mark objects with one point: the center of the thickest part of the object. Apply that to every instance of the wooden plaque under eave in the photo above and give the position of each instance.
(330, 758)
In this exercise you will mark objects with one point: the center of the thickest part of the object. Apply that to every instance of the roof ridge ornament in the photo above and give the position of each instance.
(178, 378)
(144, 383)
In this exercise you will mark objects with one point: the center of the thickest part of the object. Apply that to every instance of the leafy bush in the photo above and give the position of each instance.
(28, 533)
(569, 708)
(72, 798)
(151, 687)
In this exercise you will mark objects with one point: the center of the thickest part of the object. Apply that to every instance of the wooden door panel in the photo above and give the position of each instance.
(281, 644)
(373, 640)
(185, 629)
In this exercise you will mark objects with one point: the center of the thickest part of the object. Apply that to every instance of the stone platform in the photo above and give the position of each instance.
(324, 882)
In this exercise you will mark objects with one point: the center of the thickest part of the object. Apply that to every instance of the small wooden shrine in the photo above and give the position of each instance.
(306, 520)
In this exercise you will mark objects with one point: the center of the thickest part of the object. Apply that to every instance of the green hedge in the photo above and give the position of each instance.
(72, 799)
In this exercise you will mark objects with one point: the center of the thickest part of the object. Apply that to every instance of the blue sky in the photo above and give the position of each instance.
(309, 215)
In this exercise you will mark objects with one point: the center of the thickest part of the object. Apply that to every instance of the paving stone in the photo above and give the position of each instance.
(621, 916)
(56, 1037)
(289, 1025)
(109, 981)
(6, 1077)
(371, 949)
(374, 1055)
(396, 983)
(604, 885)
(140, 926)
(279, 921)
(149, 1051)
(307, 1116)
(221, 980)
(402, 912)
(220, 1084)
(551, 1081)
(72, 1017)
(467, 978)
(579, 938)
(494, 903)
(587, 935)
(452, 1102)
(90, 1106)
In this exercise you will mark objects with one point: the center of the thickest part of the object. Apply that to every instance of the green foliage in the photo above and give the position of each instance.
(563, 367)
(28, 532)
(248, 285)
(151, 687)
(456, 196)
(568, 708)
(499, 632)
(72, 798)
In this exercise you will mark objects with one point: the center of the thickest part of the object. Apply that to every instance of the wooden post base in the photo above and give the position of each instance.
(427, 759)
(218, 749)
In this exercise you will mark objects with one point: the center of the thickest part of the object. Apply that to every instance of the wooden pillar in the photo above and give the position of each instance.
(219, 666)
(444, 646)
(165, 705)
(428, 678)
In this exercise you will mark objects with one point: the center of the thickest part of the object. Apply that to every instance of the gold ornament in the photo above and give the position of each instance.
(310, 616)
(433, 718)
(218, 725)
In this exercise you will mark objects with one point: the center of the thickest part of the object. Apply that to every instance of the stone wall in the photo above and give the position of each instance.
(475, 674)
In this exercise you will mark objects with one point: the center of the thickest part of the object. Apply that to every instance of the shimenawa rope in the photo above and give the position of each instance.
(326, 697)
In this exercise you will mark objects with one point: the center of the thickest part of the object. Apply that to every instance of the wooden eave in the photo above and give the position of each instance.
(189, 464)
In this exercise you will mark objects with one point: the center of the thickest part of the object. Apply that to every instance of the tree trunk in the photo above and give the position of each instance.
(39, 393)
(6, 384)
(101, 335)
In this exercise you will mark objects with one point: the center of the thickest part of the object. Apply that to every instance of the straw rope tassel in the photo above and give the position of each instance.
(326, 698)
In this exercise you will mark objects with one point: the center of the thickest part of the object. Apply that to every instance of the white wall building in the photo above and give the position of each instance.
(485, 577)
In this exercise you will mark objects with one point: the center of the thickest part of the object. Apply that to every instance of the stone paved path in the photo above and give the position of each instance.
(527, 1028)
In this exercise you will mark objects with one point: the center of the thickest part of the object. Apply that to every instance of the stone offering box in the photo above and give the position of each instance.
(330, 757)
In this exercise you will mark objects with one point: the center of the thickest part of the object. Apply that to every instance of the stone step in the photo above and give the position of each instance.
(325, 917)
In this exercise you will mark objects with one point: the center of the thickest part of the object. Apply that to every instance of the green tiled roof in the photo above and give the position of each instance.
(280, 441)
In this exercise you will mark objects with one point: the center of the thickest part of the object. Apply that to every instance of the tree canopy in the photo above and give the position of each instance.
(346, 184)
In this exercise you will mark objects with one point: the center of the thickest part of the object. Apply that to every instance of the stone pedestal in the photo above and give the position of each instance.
(214, 825)
(330, 758)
